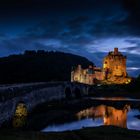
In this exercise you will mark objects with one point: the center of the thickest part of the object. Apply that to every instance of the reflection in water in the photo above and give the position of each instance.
(20, 115)
(114, 99)
(110, 115)
(73, 125)
(100, 115)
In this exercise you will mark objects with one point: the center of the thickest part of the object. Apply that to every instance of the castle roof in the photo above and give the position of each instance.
(115, 53)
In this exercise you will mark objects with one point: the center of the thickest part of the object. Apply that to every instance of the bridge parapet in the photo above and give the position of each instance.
(35, 93)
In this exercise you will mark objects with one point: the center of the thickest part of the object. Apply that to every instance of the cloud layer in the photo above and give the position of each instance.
(89, 28)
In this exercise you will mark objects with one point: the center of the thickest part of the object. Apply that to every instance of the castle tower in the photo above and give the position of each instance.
(116, 51)
(114, 65)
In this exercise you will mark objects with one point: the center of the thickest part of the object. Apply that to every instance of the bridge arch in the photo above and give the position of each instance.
(77, 93)
(68, 92)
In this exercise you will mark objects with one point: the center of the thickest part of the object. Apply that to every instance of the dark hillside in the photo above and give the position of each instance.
(39, 66)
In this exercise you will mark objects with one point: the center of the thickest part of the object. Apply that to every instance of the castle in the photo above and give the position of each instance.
(112, 72)
(109, 114)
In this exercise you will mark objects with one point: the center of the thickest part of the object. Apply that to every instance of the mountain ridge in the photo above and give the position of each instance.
(39, 66)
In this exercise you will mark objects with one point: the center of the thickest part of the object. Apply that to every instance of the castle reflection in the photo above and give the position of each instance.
(110, 115)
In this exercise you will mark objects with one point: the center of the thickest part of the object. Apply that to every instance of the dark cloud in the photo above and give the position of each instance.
(2, 35)
(85, 27)
(133, 20)
(45, 29)
(135, 49)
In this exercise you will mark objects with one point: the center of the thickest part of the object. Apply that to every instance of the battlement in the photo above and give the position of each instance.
(116, 51)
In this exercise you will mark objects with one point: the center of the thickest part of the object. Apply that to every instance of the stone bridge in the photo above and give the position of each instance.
(33, 94)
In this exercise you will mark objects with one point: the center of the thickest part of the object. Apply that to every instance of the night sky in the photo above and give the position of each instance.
(88, 28)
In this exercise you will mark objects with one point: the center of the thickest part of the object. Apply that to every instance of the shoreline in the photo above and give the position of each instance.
(99, 133)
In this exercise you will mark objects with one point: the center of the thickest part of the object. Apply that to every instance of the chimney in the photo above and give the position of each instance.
(115, 51)
(79, 67)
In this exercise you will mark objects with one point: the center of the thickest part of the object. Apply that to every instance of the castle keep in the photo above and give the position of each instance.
(114, 65)
(112, 72)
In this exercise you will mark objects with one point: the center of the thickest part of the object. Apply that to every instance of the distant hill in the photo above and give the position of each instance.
(39, 66)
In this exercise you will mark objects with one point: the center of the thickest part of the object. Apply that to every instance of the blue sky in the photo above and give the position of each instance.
(89, 28)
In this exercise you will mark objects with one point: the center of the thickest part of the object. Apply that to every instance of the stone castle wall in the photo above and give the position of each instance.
(113, 71)
(87, 76)
(115, 64)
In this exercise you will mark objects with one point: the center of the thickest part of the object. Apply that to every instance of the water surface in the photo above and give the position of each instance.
(125, 117)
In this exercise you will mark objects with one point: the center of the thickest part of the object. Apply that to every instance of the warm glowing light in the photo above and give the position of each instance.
(20, 115)
(113, 72)
(110, 115)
